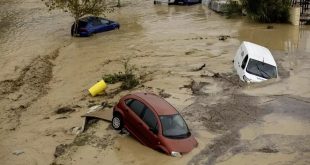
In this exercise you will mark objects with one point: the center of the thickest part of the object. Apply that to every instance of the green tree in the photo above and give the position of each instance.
(79, 8)
(267, 10)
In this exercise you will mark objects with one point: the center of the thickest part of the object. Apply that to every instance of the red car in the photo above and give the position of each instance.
(154, 122)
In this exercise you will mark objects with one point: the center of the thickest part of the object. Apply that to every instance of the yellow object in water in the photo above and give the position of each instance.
(98, 88)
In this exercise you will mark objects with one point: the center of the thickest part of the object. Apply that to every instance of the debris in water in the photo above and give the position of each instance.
(18, 152)
(200, 68)
(268, 150)
(223, 37)
(106, 104)
(76, 106)
(98, 88)
(163, 94)
(216, 75)
(124, 131)
(64, 110)
(95, 108)
(76, 130)
(269, 27)
(62, 117)
(196, 86)
(60, 150)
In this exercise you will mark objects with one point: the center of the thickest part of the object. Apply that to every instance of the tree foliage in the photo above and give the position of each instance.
(79, 8)
(267, 10)
(232, 9)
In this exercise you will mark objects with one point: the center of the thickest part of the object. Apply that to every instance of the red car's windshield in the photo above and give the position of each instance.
(174, 126)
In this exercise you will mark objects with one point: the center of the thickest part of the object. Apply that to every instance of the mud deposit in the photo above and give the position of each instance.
(183, 53)
(31, 84)
(232, 117)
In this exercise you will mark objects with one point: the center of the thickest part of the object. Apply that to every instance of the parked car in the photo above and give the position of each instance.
(154, 122)
(89, 25)
(184, 2)
(187, 2)
(254, 63)
(219, 5)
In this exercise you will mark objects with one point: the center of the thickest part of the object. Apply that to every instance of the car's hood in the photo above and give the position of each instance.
(181, 145)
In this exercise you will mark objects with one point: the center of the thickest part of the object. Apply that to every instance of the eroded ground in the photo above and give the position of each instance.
(43, 69)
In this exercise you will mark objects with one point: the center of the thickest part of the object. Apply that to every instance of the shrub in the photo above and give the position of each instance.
(267, 11)
(128, 78)
(233, 8)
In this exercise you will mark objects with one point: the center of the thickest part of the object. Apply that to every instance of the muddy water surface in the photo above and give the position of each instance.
(233, 123)
(27, 30)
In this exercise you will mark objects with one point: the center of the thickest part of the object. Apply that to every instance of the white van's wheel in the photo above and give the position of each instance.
(117, 122)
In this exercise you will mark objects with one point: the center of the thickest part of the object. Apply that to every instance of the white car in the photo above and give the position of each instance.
(254, 63)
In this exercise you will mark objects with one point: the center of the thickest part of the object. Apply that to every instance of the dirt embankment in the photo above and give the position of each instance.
(17, 95)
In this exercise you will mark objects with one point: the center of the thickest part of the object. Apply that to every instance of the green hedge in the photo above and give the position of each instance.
(267, 11)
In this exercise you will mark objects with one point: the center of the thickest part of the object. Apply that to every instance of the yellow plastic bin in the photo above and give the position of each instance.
(98, 88)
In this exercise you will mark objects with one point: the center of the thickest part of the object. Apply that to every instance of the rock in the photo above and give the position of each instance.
(18, 152)
(60, 150)
(46, 117)
(64, 110)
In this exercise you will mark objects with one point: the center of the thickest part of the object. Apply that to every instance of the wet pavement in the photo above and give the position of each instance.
(265, 123)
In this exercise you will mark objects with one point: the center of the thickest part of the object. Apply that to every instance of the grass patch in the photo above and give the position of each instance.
(128, 78)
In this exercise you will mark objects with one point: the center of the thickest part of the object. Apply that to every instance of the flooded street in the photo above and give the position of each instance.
(43, 68)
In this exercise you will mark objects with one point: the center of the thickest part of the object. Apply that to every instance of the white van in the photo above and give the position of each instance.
(254, 63)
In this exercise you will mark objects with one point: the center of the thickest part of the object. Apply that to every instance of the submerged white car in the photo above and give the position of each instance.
(255, 63)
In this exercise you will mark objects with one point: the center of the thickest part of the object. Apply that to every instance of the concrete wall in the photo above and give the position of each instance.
(295, 15)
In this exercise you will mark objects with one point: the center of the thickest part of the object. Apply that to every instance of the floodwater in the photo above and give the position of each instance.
(22, 27)
(165, 43)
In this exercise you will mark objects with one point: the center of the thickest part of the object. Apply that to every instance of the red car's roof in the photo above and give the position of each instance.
(160, 106)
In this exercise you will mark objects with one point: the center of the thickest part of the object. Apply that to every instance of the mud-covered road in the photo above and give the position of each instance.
(43, 69)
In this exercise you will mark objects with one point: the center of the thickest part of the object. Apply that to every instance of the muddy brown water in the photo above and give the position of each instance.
(43, 68)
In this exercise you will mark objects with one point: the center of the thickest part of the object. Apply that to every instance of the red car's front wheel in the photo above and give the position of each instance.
(117, 122)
